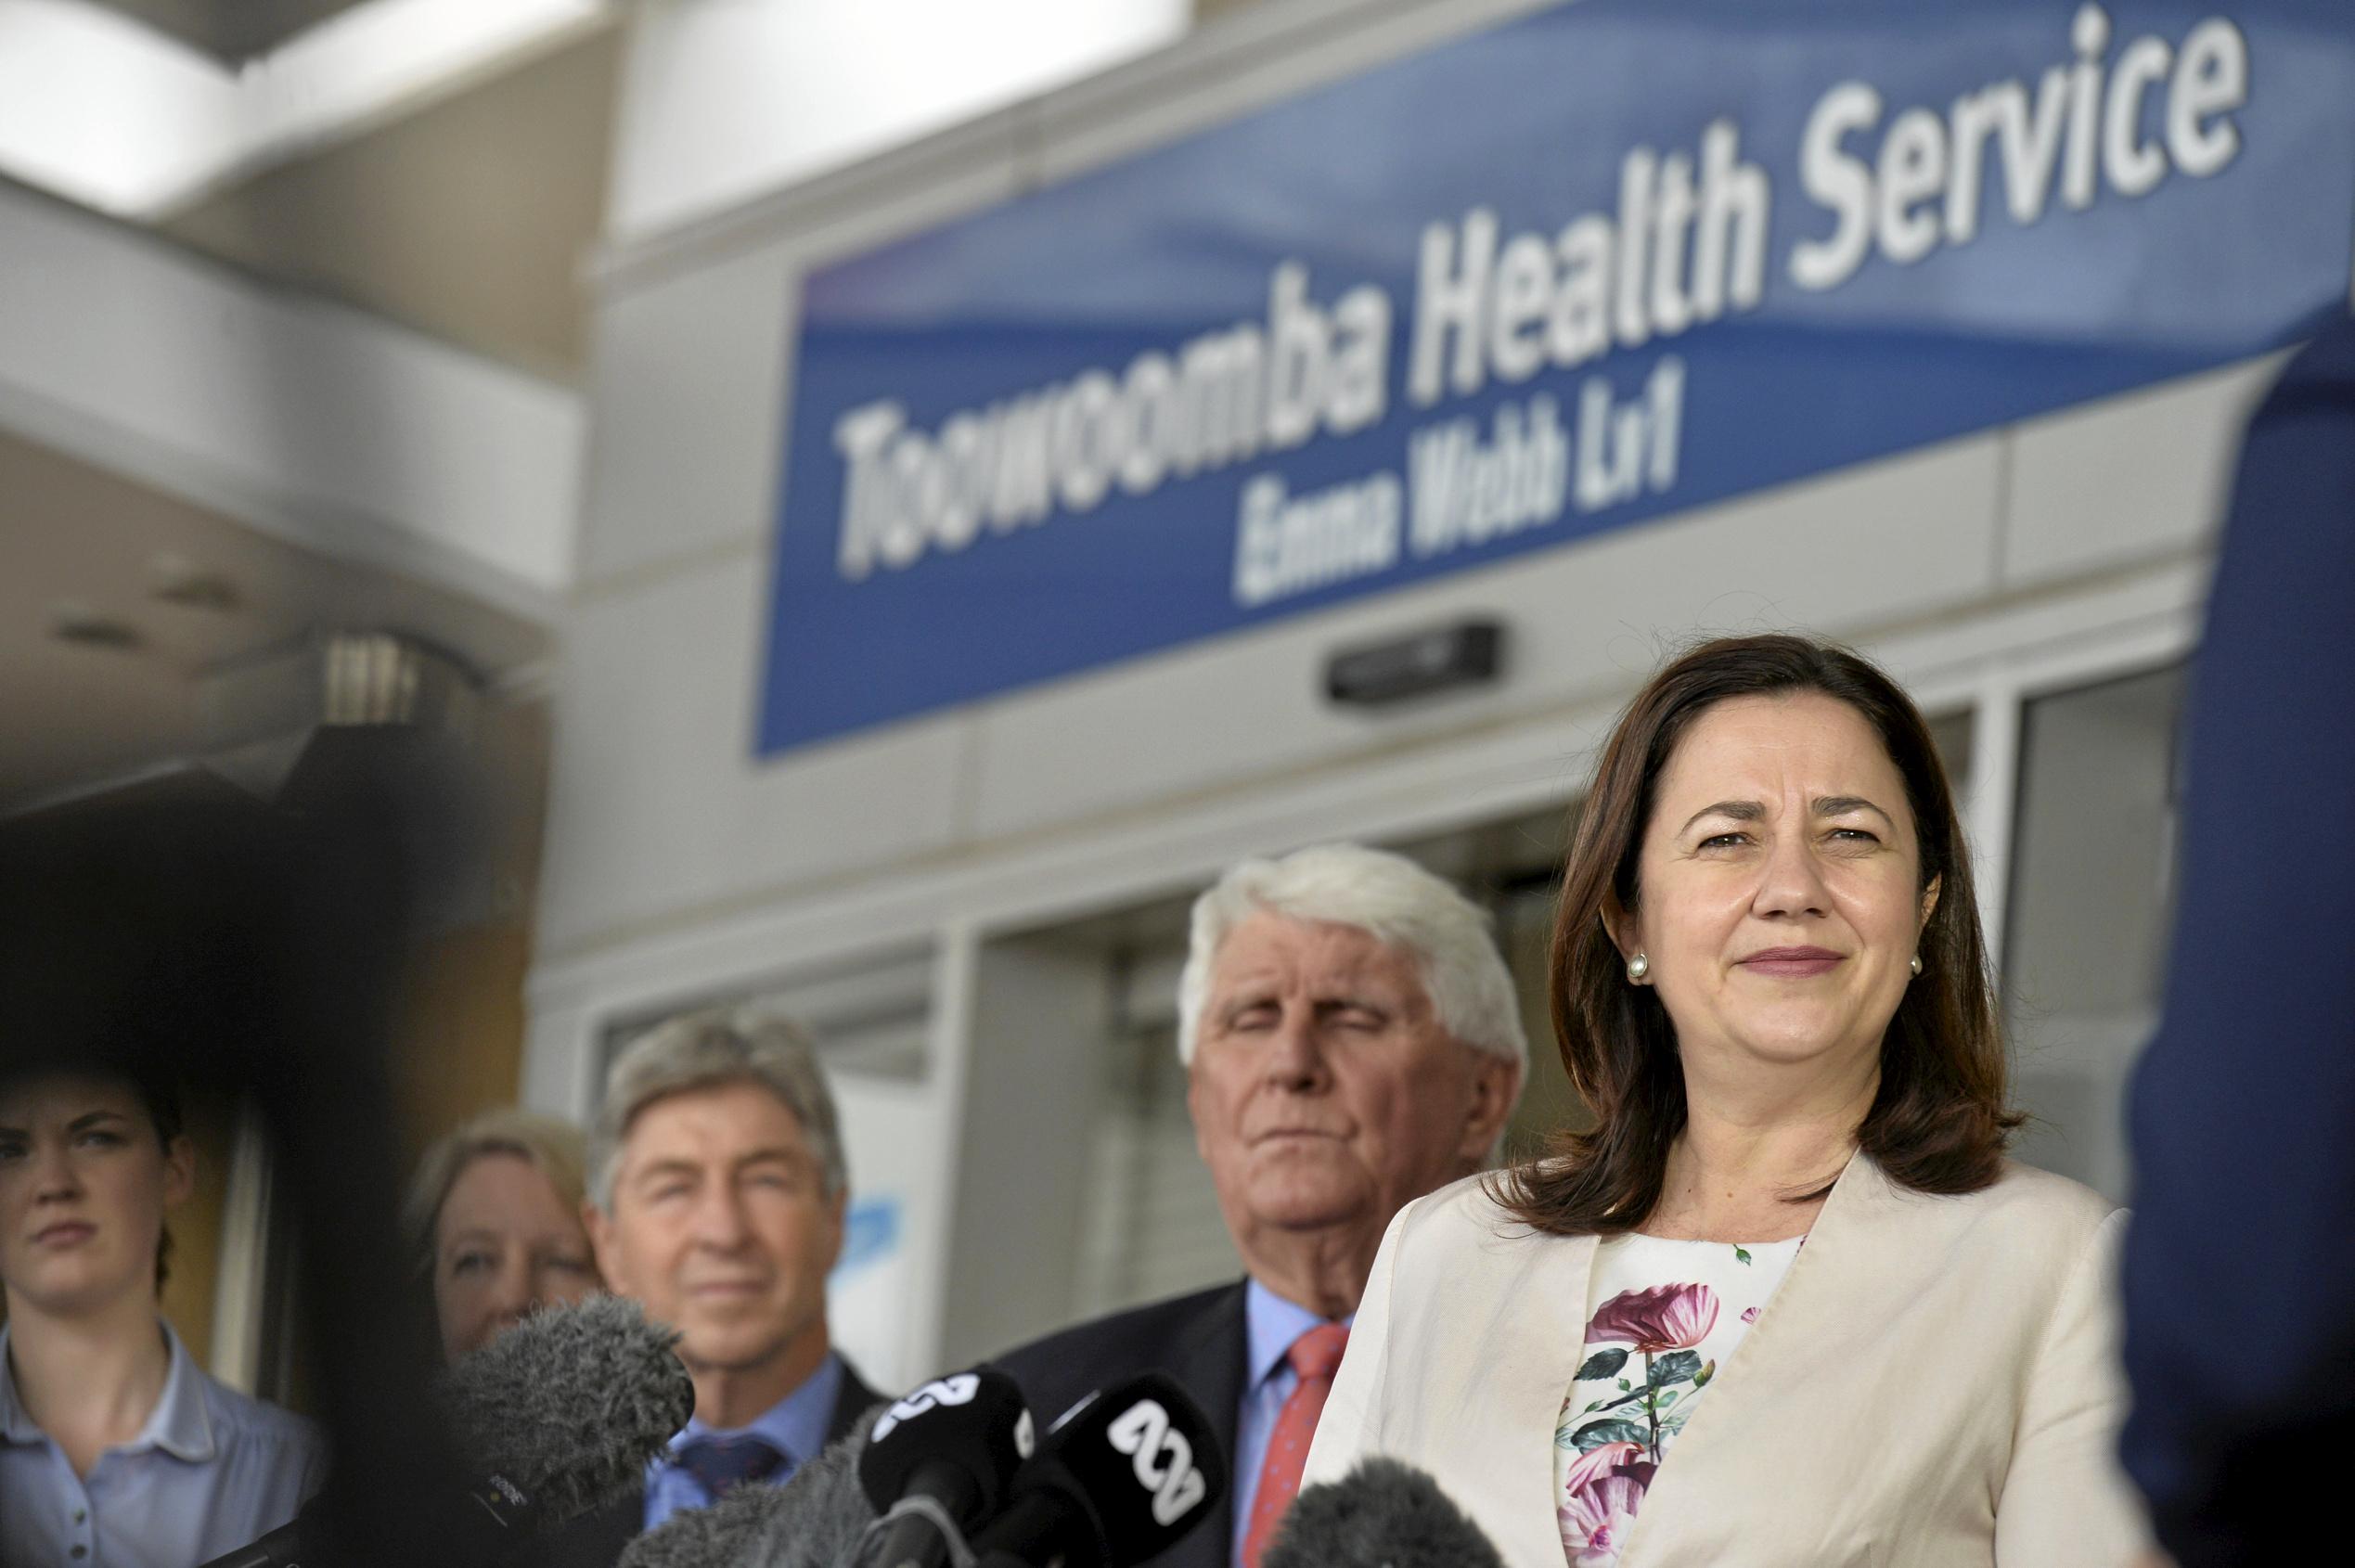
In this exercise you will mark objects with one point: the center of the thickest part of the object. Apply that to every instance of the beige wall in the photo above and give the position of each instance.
(471, 220)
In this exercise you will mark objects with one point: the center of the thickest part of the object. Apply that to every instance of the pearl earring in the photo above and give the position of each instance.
(1638, 967)
(1916, 965)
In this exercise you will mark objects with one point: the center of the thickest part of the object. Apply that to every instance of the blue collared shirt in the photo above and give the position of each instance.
(795, 1425)
(1270, 1324)
(211, 1471)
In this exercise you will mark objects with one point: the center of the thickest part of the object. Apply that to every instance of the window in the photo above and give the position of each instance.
(2085, 944)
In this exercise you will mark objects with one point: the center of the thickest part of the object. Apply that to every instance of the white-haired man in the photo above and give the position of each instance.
(1351, 1041)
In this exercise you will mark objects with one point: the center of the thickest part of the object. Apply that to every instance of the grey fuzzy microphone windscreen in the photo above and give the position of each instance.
(720, 1535)
(571, 1404)
(811, 1522)
(1383, 1514)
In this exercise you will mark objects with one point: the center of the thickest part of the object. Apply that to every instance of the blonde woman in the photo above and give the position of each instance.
(495, 1217)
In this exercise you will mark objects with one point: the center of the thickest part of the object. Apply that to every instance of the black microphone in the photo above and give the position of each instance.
(556, 1417)
(1383, 1514)
(813, 1521)
(1122, 1477)
(939, 1461)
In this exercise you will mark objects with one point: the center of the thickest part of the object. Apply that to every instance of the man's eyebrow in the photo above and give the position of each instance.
(1740, 811)
(1840, 806)
(667, 1167)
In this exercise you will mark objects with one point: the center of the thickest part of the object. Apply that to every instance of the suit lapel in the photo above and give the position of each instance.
(1523, 1364)
(852, 1401)
(1208, 1359)
(1476, 1371)
(1843, 1270)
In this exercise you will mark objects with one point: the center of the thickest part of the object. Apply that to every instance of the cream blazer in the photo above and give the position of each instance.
(1934, 1383)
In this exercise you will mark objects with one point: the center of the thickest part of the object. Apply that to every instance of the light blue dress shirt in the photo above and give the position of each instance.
(795, 1425)
(211, 1471)
(1270, 1324)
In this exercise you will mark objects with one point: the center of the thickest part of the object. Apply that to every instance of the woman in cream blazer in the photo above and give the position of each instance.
(1769, 986)
(1930, 1384)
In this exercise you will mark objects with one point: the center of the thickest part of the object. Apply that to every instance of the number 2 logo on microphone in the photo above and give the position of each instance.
(1164, 1460)
(957, 1389)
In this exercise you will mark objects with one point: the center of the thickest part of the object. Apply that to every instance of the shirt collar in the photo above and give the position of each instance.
(1270, 1324)
(795, 1425)
(178, 1424)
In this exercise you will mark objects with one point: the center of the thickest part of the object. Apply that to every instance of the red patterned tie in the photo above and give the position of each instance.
(1315, 1356)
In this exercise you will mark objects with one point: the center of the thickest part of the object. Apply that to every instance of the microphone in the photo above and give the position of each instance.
(556, 1417)
(939, 1461)
(812, 1521)
(716, 1535)
(1123, 1477)
(571, 1404)
(1383, 1514)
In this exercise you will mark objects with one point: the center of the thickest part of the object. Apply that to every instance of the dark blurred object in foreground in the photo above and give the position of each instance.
(556, 1418)
(2240, 1285)
(182, 932)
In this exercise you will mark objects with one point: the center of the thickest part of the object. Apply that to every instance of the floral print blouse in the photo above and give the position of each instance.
(1664, 1316)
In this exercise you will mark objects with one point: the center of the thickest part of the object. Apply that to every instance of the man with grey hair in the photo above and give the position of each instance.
(716, 1196)
(1351, 1041)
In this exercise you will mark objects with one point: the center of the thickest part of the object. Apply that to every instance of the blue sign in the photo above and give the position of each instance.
(870, 1234)
(1618, 259)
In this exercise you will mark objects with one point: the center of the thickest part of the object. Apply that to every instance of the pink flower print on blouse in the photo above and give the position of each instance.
(1596, 1519)
(1600, 1462)
(1662, 1318)
(1749, 1314)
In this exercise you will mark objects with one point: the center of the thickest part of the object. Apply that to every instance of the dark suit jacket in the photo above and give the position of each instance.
(595, 1540)
(1198, 1340)
(2244, 1172)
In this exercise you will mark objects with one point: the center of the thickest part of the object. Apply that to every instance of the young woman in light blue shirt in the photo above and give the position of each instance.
(116, 1449)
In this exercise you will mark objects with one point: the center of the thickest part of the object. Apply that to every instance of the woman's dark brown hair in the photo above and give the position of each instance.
(163, 1104)
(1941, 1120)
